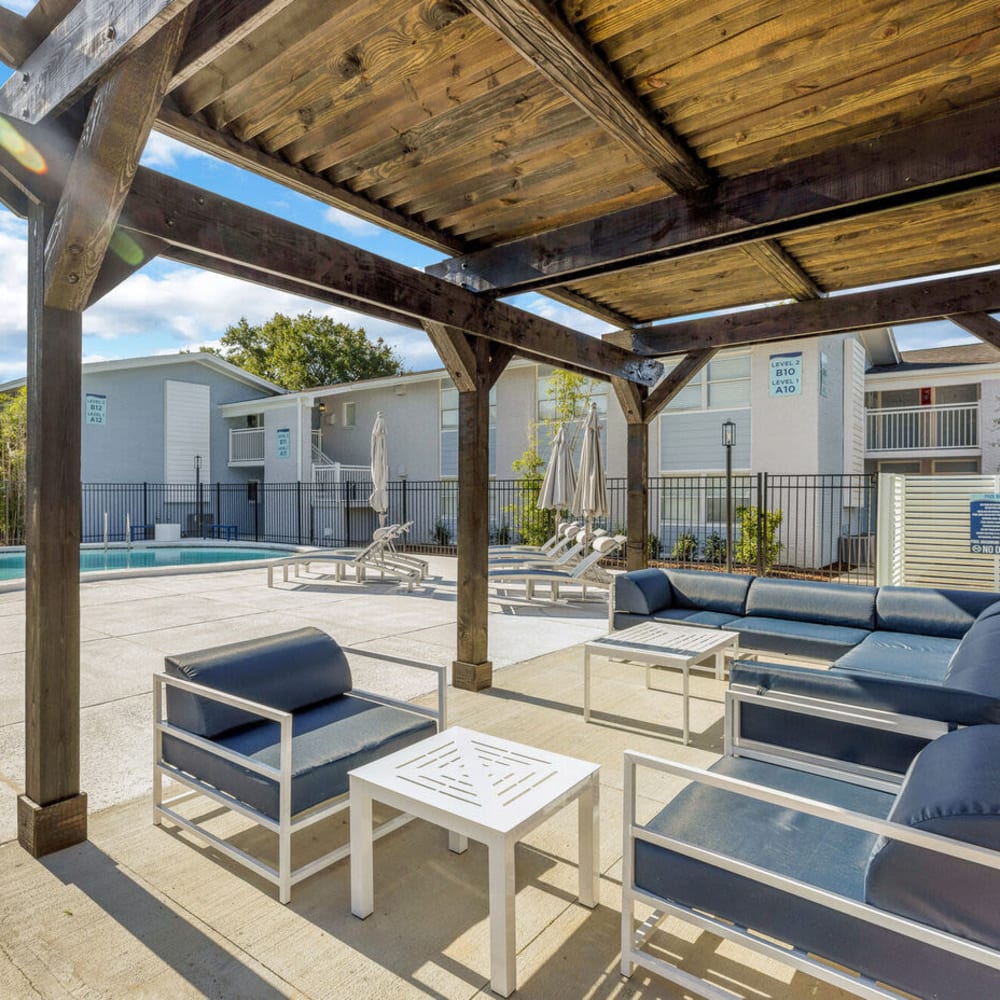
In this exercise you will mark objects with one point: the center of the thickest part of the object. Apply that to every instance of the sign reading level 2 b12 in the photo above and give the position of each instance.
(984, 523)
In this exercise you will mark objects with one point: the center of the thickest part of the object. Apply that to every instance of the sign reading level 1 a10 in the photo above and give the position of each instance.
(785, 375)
(984, 523)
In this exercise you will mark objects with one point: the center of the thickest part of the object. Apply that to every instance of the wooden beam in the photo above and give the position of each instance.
(590, 306)
(771, 257)
(899, 305)
(472, 669)
(637, 495)
(221, 25)
(538, 31)
(13, 198)
(500, 356)
(916, 165)
(17, 40)
(187, 216)
(127, 254)
(979, 324)
(455, 352)
(631, 398)
(183, 255)
(81, 50)
(52, 812)
(117, 127)
(675, 380)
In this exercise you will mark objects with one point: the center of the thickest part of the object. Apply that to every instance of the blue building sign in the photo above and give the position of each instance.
(785, 376)
(984, 523)
(284, 443)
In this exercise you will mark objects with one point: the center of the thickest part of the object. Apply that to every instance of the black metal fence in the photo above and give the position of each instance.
(820, 526)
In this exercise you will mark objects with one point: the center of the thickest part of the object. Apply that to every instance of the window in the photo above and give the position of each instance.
(723, 384)
(350, 418)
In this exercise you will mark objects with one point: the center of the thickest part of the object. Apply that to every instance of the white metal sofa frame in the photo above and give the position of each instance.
(633, 939)
(284, 876)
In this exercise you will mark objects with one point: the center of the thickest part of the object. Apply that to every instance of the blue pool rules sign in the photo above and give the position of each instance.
(984, 523)
(785, 375)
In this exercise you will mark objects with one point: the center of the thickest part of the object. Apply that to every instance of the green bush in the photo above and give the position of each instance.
(746, 545)
(715, 548)
(685, 548)
(653, 546)
(442, 532)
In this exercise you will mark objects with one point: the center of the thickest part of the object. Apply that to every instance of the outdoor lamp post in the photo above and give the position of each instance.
(728, 440)
(197, 493)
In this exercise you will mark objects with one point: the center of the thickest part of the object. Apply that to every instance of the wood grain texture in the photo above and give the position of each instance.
(980, 324)
(17, 40)
(637, 495)
(13, 198)
(771, 257)
(81, 50)
(456, 353)
(675, 380)
(186, 216)
(901, 304)
(114, 136)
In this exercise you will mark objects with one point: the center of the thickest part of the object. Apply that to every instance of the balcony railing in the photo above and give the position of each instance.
(246, 446)
(922, 428)
(336, 474)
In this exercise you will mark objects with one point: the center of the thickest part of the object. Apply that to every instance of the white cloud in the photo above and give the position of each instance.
(13, 295)
(163, 152)
(351, 223)
(20, 6)
(567, 315)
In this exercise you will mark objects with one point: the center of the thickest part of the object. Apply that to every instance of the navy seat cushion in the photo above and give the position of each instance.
(796, 638)
(328, 740)
(974, 665)
(824, 854)
(286, 671)
(900, 654)
(722, 592)
(929, 611)
(812, 601)
(952, 789)
(642, 592)
(689, 616)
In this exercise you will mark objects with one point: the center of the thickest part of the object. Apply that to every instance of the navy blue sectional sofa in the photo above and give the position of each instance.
(909, 632)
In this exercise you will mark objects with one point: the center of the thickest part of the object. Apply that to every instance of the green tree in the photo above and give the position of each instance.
(745, 550)
(570, 393)
(305, 351)
(13, 440)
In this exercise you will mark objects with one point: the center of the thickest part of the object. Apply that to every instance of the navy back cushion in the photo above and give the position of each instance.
(974, 665)
(929, 611)
(642, 592)
(726, 592)
(287, 671)
(953, 789)
(812, 601)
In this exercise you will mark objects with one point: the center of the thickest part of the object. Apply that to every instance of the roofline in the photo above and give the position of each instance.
(935, 373)
(205, 358)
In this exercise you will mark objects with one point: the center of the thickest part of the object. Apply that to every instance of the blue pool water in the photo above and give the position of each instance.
(94, 560)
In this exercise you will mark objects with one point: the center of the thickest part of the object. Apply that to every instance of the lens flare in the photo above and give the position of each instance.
(23, 151)
(126, 248)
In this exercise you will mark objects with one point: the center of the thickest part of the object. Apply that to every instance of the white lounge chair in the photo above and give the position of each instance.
(565, 530)
(562, 559)
(586, 573)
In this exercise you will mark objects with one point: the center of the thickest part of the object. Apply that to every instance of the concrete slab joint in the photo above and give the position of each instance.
(43, 830)
(472, 676)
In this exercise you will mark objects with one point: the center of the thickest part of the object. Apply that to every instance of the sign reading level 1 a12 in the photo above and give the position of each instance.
(786, 375)
(984, 523)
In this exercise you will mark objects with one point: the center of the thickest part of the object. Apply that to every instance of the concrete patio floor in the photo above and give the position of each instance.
(141, 911)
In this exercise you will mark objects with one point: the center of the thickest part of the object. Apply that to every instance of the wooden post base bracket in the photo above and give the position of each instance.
(472, 676)
(43, 830)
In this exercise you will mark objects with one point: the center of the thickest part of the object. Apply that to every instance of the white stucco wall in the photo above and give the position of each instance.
(989, 431)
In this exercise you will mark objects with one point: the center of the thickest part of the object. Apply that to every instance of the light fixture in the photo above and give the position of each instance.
(322, 406)
(728, 433)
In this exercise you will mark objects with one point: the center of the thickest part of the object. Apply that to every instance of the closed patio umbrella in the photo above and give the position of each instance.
(559, 483)
(590, 499)
(379, 500)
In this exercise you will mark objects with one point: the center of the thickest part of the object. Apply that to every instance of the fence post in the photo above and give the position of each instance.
(145, 510)
(873, 520)
(256, 515)
(761, 522)
(218, 503)
(298, 506)
(348, 497)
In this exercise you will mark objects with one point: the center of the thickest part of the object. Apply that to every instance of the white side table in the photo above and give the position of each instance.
(655, 644)
(492, 790)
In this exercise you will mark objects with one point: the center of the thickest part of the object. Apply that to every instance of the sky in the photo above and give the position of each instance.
(167, 307)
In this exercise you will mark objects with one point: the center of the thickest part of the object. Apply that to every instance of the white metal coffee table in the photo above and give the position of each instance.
(492, 790)
(655, 644)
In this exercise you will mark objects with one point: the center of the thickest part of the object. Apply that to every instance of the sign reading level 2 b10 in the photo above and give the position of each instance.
(984, 523)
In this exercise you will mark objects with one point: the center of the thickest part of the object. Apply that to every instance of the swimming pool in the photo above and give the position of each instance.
(141, 557)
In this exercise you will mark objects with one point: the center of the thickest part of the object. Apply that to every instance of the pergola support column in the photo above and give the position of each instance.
(472, 670)
(52, 812)
(637, 496)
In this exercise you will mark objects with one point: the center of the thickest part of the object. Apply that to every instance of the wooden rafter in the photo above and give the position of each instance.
(118, 123)
(500, 356)
(456, 354)
(80, 51)
(537, 30)
(187, 216)
(17, 40)
(674, 381)
(13, 198)
(631, 398)
(910, 167)
(772, 258)
(979, 324)
(136, 252)
(901, 304)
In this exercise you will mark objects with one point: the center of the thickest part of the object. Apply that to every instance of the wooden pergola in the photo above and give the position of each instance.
(641, 160)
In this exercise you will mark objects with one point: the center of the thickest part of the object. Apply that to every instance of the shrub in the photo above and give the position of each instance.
(715, 548)
(442, 532)
(685, 548)
(653, 546)
(746, 546)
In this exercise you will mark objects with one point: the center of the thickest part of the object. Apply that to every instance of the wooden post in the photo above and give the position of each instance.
(637, 497)
(472, 671)
(52, 813)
